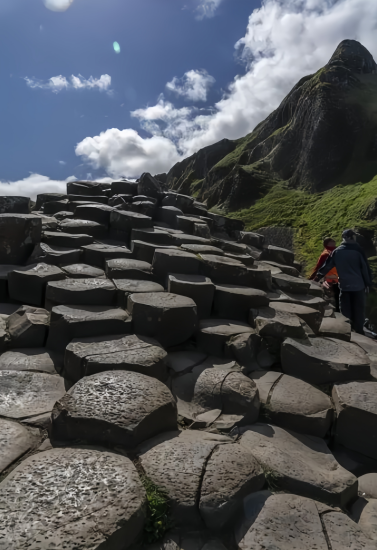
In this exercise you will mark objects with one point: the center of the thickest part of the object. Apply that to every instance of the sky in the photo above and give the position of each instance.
(102, 89)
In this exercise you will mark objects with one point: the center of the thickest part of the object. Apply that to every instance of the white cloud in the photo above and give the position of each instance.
(33, 185)
(58, 83)
(124, 152)
(57, 5)
(285, 40)
(194, 85)
(207, 8)
(62, 162)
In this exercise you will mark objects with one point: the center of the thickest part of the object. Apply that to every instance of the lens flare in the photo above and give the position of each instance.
(57, 5)
(116, 47)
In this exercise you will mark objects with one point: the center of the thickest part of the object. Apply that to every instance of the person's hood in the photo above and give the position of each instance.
(351, 245)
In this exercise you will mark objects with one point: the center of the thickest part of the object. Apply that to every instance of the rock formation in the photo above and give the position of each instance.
(165, 383)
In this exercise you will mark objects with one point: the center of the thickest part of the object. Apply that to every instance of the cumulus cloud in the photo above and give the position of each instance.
(57, 5)
(207, 8)
(194, 85)
(58, 83)
(33, 185)
(124, 152)
(284, 41)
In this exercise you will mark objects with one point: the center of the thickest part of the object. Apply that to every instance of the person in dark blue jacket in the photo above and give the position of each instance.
(355, 278)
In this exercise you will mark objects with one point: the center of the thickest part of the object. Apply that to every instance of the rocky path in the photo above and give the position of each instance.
(167, 382)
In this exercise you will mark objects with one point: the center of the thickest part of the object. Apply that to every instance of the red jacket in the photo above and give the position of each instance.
(332, 275)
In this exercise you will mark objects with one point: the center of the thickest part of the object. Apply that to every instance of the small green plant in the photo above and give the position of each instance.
(158, 521)
(272, 478)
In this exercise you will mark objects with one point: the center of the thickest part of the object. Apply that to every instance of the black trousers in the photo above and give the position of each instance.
(352, 306)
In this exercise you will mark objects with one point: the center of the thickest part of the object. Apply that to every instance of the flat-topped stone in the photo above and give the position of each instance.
(152, 235)
(27, 394)
(87, 356)
(97, 254)
(311, 316)
(287, 283)
(16, 440)
(123, 268)
(270, 322)
(197, 287)
(202, 249)
(68, 240)
(356, 407)
(277, 254)
(126, 287)
(99, 213)
(84, 498)
(213, 334)
(300, 299)
(301, 464)
(32, 360)
(324, 360)
(19, 233)
(29, 285)
(126, 221)
(69, 322)
(167, 261)
(83, 227)
(170, 318)
(338, 327)
(235, 302)
(83, 271)
(117, 408)
(55, 255)
(27, 327)
(99, 292)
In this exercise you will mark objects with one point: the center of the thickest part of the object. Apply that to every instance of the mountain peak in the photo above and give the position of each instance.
(354, 56)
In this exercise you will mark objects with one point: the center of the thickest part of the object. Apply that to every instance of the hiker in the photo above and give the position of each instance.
(355, 278)
(331, 278)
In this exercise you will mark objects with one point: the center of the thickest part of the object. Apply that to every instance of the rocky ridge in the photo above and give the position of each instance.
(169, 381)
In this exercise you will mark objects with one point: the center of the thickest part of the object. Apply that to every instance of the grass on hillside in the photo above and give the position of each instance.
(314, 216)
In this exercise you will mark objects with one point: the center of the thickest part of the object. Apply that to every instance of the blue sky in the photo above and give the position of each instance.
(189, 73)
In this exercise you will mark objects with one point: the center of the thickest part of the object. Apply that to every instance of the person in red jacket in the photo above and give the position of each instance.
(331, 279)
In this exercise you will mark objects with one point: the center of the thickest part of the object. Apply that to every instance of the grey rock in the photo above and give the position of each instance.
(42, 198)
(32, 360)
(168, 215)
(68, 240)
(149, 186)
(124, 187)
(368, 486)
(181, 238)
(19, 233)
(293, 404)
(55, 255)
(252, 239)
(356, 407)
(222, 270)
(234, 302)
(152, 235)
(87, 188)
(324, 360)
(344, 534)
(214, 334)
(52, 207)
(197, 287)
(98, 254)
(16, 440)
(245, 349)
(277, 254)
(14, 205)
(99, 292)
(88, 356)
(181, 362)
(311, 316)
(287, 269)
(145, 251)
(247, 260)
(126, 287)
(123, 268)
(27, 327)
(118, 408)
(69, 322)
(83, 227)
(27, 394)
(174, 261)
(337, 327)
(29, 285)
(202, 249)
(83, 271)
(169, 318)
(99, 213)
(299, 299)
(126, 221)
(270, 322)
(287, 283)
(300, 464)
(183, 202)
(368, 520)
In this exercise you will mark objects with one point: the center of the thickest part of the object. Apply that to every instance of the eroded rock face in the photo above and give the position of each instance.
(117, 408)
(300, 464)
(19, 233)
(72, 498)
(32, 360)
(16, 440)
(98, 292)
(27, 327)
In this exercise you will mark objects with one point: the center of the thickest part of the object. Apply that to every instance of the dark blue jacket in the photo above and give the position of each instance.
(352, 267)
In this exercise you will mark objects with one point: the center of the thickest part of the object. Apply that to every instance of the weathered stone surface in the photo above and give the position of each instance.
(278, 255)
(168, 215)
(277, 324)
(212, 391)
(202, 249)
(324, 360)
(169, 318)
(84, 499)
(368, 486)
(27, 327)
(281, 522)
(181, 362)
(231, 474)
(337, 327)
(16, 440)
(43, 198)
(368, 520)
(69, 322)
(124, 186)
(152, 235)
(179, 201)
(197, 287)
(300, 464)
(145, 251)
(126, 287)
(182, 238)
(87, 356)
(287, 283)
(83, 227)
(55, 255)
(149, 186)
(344, 534)
(32, 360)
(300, 299)
(83, 271)
(14, 205)
(126, 221)
(174, 261)
(117, 408)
(252, 239)
(311, 316)
(97, 254)
(287, 269)
(87, 188)
(246, 349)
(4, 271)
(99, 292)
(128, 269)
(29, 285)
(19, 233)
(234, 302)
(68, 240)
(243, 258)
(356, 407)
(293, 404)
(222, 270)
(25, 394)
(213, 334)
(180, 456)
(99, 213)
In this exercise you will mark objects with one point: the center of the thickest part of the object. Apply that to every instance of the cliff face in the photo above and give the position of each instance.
(323, 134)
